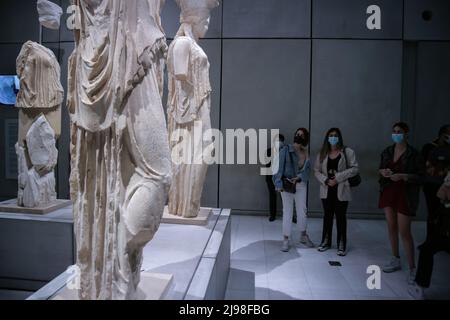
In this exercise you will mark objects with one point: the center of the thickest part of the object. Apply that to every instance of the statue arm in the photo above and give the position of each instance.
(181, 53)
(22, 166)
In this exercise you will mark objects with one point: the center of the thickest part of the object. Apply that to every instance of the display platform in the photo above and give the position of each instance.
(198, 258)
(200, 220)
(34, 248)
(153, 286)
(10, 206)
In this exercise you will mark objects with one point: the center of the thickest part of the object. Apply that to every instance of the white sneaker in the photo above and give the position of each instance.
(416, 291)
(323, 247)
(394, 265)
(285, 246)
(412, 276)
(306, 241)
(342, 252)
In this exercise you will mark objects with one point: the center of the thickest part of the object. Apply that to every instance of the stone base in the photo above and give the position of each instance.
(200, 220)
(11, 206)
(153, 286)
(198, 257)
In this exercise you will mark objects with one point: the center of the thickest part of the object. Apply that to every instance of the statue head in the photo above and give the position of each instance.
(196, 13)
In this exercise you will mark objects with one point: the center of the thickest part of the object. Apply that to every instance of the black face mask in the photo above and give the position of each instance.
(300, 140)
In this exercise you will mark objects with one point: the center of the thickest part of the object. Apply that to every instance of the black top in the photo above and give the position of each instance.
(332, 167)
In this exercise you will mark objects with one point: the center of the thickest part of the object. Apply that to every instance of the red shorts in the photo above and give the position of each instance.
(394, 196)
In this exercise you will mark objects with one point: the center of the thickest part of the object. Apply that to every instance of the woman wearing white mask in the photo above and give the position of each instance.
(334, 166)
(401, 168)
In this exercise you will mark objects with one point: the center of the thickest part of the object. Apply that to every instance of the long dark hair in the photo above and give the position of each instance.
(326, 147)
(305, 134)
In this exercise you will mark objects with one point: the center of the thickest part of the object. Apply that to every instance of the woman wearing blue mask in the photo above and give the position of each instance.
(401, 169)
(333, 167)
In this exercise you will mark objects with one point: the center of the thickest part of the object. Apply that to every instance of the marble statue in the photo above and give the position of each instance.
(49, 14)
(39, 101)
(120, 159)
(189, 104)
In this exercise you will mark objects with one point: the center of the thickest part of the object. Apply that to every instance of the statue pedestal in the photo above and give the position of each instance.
(200, 220)
(153, 286)
(196, 257)
(11, 206)
(35, 248)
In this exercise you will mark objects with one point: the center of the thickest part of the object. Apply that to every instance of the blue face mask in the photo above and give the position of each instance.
(398, 137)
(333, 140)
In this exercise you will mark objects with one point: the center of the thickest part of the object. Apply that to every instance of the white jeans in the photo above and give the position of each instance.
(288, 209)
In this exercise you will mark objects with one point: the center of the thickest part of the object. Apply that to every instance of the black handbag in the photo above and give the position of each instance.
(353, 181)
(442, 222)
(288, 186)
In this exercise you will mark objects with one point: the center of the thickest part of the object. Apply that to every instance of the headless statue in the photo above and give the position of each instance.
(39, 101)
(121, 164)
(189, 104)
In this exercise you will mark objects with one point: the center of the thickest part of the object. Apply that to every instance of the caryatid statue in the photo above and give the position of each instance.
(121, 165)
(39, 101)
(189, 104)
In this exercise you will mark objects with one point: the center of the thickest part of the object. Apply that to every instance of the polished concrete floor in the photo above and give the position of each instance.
(261, 271)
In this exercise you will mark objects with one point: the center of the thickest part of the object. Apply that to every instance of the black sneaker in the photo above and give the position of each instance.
(272, 219)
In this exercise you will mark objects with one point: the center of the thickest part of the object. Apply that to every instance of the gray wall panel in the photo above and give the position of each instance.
(263, 88)
(9, 53)
(267, 18)
(432, 94)
(356, 86)
(8, 187)
(19, 21)
(418, 28)
(348, 19)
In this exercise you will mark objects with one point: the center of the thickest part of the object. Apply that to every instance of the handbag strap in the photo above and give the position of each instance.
(290, 157)
(346, 159)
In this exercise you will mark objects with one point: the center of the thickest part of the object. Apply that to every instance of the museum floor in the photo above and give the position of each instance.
(306, 274)
(259, 270)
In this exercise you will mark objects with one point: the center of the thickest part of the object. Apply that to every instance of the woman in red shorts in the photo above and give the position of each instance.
(401, 169)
